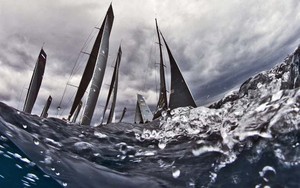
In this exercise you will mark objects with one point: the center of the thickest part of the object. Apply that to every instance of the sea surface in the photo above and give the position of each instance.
(250, 138)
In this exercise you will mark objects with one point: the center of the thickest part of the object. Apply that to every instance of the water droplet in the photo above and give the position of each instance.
(65, 184)
(163, 113)
(172, 112)
(175, 173)
(57, 173)
(191, 183)
(18, 112)
(52, 169)
(162, 145)
(267, 173)
(36, 142)
(24, 126)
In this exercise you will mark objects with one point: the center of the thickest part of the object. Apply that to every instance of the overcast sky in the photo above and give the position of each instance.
(217, 45)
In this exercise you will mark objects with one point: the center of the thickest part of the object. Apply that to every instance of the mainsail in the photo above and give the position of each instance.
(89, 69)
(36, 81)
(180, 95)
(113, 89)
(99, 69)
(162, 104)
(44, 113)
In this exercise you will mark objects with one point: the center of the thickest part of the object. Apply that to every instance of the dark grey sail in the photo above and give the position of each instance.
(88, 71)
(36, 81)
(76, 113)
(180, 95)
(113, 88)
(162, 104)
(44, 113)
(143, 113)
(99, 70)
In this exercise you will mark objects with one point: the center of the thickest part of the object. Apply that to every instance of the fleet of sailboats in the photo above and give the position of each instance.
(93, 75)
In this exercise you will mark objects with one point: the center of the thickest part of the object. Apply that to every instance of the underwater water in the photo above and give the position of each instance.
(250, 138)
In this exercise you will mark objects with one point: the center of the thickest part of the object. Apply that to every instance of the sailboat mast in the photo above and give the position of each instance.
(115, 87)
(36, 81)
(44, 113)
(99, 69)
(123, 114)
(180, 95)
(88, 71)
(162, 101)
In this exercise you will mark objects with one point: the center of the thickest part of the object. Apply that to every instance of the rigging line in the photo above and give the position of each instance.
(87, 42)
(21, 97)
(149, 63)
(68, 103)
(76, 62)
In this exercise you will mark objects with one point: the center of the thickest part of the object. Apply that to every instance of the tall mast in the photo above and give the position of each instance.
(180, 95)
(88, 71)
(114, 99)
(44, 113)
(162, 101)
(123, 114)
(99, 69)
(113, 88)
(36, 81)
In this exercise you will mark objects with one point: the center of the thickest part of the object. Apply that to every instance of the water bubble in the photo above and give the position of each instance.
(57, 173)
(64, 184)
(175, 173)
(18, 112)
(52, 168)
(162, 144)
(267, 173)
(36, 142)
(24, 126)
(163, 113)
(172, 112)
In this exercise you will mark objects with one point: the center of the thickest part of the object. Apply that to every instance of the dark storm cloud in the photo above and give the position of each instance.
(217, 44)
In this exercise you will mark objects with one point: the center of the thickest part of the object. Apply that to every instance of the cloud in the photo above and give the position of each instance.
(217, 44)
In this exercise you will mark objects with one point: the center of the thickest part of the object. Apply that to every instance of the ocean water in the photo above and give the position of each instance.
(250, 138)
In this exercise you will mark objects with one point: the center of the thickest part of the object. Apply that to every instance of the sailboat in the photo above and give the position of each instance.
(36, 81)
(180, 95)
(143, 113)
(94, 70)
(113, 89)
